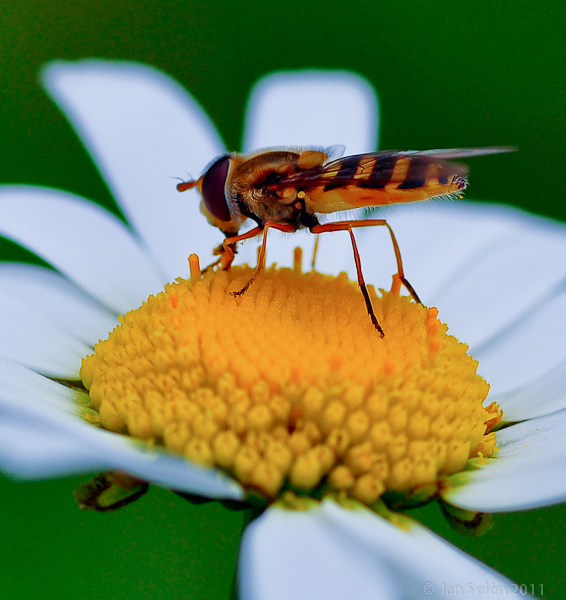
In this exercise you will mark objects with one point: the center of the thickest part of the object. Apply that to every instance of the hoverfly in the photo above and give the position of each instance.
(285, 188)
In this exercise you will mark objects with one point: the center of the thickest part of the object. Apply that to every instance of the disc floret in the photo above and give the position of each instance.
(290, 387)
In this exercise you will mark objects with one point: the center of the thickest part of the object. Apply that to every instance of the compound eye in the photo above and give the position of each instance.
(213, 186)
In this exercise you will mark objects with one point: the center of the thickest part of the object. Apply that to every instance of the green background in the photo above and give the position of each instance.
(448, 74)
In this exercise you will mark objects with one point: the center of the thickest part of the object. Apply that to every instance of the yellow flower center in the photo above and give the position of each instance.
(289, 386)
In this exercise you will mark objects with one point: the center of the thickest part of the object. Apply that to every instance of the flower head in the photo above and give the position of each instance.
(309, 396)
(141, 128)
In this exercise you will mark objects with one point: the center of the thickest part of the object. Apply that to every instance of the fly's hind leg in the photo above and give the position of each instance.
(400, 272)
(348, 226)
(344, 225)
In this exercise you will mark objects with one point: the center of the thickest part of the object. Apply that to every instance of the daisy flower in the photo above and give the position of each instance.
(227, 402)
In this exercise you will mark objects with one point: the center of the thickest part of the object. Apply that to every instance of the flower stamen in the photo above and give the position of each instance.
(194, 268)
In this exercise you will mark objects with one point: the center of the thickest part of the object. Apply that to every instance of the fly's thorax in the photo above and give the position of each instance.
(264, 206)
(253, 187)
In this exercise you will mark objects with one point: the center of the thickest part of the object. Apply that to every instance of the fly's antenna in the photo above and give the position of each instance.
(185, 185)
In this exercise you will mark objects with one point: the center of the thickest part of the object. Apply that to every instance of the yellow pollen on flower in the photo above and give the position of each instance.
(289, 386)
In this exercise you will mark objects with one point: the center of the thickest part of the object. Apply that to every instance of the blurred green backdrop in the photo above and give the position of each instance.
(448, 73)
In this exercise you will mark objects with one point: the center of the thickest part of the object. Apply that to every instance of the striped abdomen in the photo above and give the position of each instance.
(383, 178)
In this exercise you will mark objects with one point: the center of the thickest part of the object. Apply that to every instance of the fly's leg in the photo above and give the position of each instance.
(227, 249)
(286, 228)
(345, 226)
(342, 226)
(348, 226)
(215, 263)
(314, 252)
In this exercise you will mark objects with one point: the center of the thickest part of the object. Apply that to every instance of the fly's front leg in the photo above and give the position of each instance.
(227, 249)
(261, 258)
(212, 265)
(227, 253)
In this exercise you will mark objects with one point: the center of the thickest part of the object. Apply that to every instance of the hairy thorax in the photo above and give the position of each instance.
(255, 191)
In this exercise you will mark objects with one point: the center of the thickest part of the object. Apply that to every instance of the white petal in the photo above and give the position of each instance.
(61, 302)
(33, 412)
(435, 240)
(542, 397)
(312, 108)
(529, 471)
(28, 337)
(143, 130)
(333, 553)
(83, 241)
(438, 243)
(506, 279)
(483, 265)
(37, 453)
(533, 346)
(25, 393)
(41, 410)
